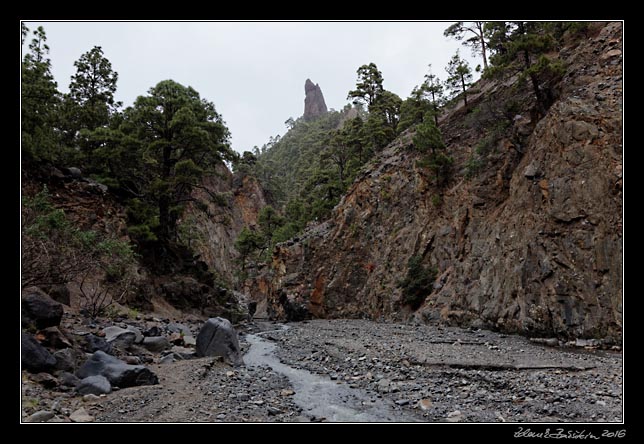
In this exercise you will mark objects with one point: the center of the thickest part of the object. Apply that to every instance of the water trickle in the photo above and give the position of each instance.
(319, 396)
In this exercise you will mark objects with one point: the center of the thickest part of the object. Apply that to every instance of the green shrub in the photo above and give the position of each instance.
(418, 282)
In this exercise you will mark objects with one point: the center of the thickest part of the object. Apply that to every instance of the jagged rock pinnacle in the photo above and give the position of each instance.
(314, 104)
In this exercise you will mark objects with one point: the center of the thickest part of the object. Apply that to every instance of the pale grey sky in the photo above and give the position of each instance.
(254, 72)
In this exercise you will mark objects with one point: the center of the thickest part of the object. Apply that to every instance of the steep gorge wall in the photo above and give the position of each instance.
(230, 204)
(532, 244)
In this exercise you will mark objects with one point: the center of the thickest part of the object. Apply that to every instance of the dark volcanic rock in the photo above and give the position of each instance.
(314, 104)
(96, 385)
(116, 371)
(218, 338)
(156, 343)
(94, 343)
(68, 359)
(40, 309)
(35, 357)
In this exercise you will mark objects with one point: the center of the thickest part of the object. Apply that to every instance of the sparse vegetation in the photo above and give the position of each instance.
(55, 252)
(417, 284)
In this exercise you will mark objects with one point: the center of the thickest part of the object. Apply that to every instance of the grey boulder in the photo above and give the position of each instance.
(95, 385)
(156, 343)
(94, 343)
(217, 337)
(117, 372)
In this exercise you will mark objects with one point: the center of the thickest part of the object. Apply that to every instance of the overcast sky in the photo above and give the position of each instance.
(254, 72)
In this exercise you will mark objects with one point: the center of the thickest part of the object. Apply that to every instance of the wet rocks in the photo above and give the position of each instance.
(217, 337)
(116, 371)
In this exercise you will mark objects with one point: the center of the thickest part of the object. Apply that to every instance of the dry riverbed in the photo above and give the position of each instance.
(364, 371)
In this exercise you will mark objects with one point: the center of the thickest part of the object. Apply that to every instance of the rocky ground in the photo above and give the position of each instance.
(440, 374)
(350, 370)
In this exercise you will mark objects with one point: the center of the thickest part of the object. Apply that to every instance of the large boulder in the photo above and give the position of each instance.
(116, 371)
(95, 385)
(217, 337)
(35, 358)
(39, 309)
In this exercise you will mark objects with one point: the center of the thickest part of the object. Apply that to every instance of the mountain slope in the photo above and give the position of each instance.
(526, 238)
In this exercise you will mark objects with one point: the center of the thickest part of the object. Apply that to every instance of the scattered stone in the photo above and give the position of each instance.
(45, 379)
(116, 371)
(67, 359)
(119, 338)
(189, 341)
(454, 416)
(138, 336)
(176, 338)
(94, 343)
(156, 343)
(39, 309)
(425, 404)
(273, 411)
(287, 392)
(81, 415)
(40, 416)
(96, 385)
(91, 398)
(402, 402)
(34, 357)
(53, 337)
(153, 331)
(175, 327)
(132, 360)
(531, 170)
(68, 380)
(217, 337)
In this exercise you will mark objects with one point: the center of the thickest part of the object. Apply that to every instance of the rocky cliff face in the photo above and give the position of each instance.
(314, 104)
(231, 203)
(532, 243)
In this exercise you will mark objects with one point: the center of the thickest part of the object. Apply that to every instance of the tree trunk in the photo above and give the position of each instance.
(479, 26)
(435, 109)
(164, 199)
(464, 93)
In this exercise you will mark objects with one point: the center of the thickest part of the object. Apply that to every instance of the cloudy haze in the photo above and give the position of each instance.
(254, 72)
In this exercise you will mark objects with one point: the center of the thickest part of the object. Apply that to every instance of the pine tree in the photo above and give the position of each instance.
(521, 47)
(369, 86)
(429, 141)
(92, 88)
(460, 75)
(181, 137)
(39, 101)
(476, 40)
